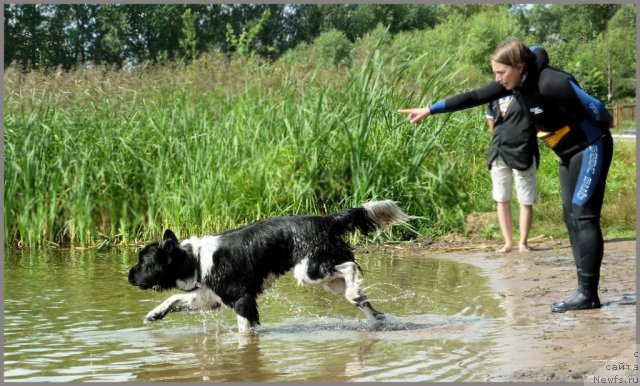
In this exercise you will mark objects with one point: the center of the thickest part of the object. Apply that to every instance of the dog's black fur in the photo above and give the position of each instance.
(234, 267)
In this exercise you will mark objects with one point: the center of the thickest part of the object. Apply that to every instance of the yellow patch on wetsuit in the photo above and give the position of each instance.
(551, 139)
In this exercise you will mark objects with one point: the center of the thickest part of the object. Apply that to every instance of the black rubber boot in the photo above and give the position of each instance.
(584, 299)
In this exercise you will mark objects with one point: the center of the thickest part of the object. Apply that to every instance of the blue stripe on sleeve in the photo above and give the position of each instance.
(437, 107)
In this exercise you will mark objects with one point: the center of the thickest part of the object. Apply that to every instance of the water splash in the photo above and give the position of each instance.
(387, 323)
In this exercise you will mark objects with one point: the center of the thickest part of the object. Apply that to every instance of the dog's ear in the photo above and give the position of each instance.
(169, 239)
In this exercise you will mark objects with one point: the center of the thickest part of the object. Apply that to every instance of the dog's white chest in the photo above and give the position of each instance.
(204, 248)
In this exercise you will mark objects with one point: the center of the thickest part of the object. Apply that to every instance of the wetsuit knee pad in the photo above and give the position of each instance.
(588, 218)
(585, 213)
(587, 228)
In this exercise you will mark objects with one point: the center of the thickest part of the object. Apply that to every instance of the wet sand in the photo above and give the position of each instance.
(537, 344)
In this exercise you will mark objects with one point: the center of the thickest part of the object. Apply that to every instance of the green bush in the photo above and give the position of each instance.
(334, 47)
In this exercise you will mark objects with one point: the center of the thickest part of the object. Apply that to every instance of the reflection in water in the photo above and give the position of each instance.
(74, 317)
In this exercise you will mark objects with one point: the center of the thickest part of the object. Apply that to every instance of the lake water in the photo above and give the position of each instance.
(72, 316)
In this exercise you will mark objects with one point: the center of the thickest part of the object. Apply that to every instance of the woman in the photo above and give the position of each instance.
(572, 123)
(513, 155)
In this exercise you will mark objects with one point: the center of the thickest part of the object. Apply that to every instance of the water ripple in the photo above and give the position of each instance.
(84, 323)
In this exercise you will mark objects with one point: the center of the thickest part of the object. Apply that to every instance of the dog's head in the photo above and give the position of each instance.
(165, 265)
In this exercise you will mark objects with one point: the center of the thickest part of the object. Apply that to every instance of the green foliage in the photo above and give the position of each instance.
(590, 41)
(555, 23)
(377, 37)
(52, 35)
(619, 211)
(101, 157)
(112, 25)
(244, 41)
(367, 17)
(592, 79)
(335, 48)
(96, 156)
(487, 30)
(188, 40)
(621, 33)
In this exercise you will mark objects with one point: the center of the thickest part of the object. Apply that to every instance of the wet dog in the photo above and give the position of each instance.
(234, 267)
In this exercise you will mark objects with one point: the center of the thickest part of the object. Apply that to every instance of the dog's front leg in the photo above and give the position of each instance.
(173, 303)
(200, 300)
(193, 301)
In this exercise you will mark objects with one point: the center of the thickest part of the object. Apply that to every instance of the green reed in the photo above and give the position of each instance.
(98, 157)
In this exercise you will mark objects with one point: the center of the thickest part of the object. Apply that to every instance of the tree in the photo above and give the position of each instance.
(244, 42)
(334, 47)
(24, 25)
(112, 34)
(621, 36)
(81, 25)
(68, 35)
(554, 23)
(161, 32)
(301, 23)
(188, 39)
(487, 30)
(465, 10)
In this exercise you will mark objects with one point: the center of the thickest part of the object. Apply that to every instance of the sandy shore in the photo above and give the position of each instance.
(538, 345)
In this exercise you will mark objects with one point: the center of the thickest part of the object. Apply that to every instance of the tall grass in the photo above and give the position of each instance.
(97, 157)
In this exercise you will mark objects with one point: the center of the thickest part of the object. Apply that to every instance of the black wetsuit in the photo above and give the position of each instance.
(576, 126)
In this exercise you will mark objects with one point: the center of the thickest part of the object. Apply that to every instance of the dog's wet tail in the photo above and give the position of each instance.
(384, 214)
(371, 216)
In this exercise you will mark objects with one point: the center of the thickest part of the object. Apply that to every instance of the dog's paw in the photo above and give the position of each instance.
(377, 321)
(152, 317)
(380, 317)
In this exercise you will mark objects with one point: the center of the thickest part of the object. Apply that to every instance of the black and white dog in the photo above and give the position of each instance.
(234, 267)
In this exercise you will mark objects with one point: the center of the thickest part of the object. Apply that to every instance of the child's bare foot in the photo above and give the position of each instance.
(524, 248)
(506, 249)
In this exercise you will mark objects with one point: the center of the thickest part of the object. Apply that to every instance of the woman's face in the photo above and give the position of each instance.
(507, 76)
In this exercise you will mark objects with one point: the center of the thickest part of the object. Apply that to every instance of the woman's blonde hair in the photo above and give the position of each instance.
(512, 52)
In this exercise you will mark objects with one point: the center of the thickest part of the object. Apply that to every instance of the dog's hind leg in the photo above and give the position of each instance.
(200, 300)
(246, 310)
(348, 283)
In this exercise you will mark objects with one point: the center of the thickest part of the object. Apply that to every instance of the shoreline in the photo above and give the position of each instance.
(538, 345)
